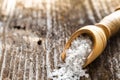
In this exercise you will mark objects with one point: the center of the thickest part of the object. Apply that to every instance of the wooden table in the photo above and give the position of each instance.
(33, 38)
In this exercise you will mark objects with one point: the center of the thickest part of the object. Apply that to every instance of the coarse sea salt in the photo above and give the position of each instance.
(75, 58)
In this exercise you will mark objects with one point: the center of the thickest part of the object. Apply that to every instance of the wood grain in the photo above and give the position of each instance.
(52, 23)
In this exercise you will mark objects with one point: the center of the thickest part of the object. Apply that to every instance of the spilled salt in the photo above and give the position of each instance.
(75, 58)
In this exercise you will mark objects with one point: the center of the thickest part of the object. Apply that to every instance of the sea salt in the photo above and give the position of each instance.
(75, 58)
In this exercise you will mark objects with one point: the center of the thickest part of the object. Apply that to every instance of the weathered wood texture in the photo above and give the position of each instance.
(52, 22)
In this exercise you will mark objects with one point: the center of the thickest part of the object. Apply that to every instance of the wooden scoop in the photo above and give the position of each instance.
(99, 33)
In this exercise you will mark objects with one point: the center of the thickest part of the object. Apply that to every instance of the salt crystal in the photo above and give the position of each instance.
(76, 55)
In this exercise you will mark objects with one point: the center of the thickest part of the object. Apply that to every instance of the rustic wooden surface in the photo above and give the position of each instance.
(32, 38)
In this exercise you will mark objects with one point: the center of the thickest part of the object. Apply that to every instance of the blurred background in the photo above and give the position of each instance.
(33, 34)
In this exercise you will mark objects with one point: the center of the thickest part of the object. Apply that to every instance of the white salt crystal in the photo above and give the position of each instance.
(76, 55)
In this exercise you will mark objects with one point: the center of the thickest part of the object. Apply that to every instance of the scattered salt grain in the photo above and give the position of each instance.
(75, 58)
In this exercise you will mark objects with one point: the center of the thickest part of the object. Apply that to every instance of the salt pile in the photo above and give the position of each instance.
(75, 57)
